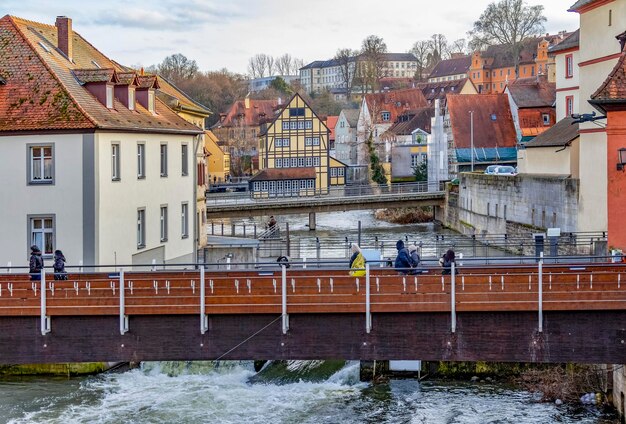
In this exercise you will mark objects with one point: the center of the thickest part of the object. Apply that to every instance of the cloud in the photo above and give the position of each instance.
(170, 15)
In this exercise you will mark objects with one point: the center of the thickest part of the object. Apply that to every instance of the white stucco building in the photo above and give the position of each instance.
(93, 162)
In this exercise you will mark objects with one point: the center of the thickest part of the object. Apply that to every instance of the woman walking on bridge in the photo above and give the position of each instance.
(357, 261)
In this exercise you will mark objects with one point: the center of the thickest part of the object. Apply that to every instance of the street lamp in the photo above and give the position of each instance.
(471, 112)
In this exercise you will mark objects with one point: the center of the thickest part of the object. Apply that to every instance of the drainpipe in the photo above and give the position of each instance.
(196, 224)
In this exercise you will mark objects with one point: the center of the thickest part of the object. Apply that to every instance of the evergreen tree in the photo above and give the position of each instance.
(378, 172)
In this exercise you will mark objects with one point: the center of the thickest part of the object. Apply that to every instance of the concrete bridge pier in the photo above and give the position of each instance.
(311, 221)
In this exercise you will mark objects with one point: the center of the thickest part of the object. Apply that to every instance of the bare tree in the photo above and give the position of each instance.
(372, 64)
(421, 50)
(177, 68)
(439, 46)
(346, 60)
(258, 65)
(508, 22)
(296, 65)
(271, 65)
(458, 46)
(283, 64)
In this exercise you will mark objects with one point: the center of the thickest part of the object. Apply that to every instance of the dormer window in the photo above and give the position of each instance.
(151, 101)
(386, 116)
(109, 96)
(131, 98)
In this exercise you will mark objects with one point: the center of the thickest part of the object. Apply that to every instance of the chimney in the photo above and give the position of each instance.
(247, 102)
(64, 35)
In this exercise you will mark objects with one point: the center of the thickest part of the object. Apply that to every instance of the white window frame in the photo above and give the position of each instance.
(263, 185)
(279, 163)
(278, 142)
(256, 186)
(163, 218)
(300, 162)
(286, 142)
(415, 160)
(308, 141)
(285, 125)
(141, 160)
(316, 141)
(294, 162)
(43, 232)
(184, 220)
(272, 186)
(341, 172)
(316, 161)
(184, 156)
(131, 98)
(151, 101)
(115, 161)
(141, 228)
(109, 96)
(546, 118)
(309, 162)
(39, 163)
(308, 125)
(293, 125)
(310, 183)
(333, 172)
(300, 125)
(385, 116)
(163, 159)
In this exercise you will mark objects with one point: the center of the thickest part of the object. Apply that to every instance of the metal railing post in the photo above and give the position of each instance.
(123, 316)
(204, 319)
(368, 313)
(45, 320)
(284, 299)
(540, 327)
(453, 299)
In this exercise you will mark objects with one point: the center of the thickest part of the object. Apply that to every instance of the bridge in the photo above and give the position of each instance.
(525, 312)
(357, 197)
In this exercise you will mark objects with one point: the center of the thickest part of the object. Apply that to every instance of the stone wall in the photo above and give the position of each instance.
(619, 389)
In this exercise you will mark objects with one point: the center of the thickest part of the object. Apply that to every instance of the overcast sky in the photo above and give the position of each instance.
(226, 33)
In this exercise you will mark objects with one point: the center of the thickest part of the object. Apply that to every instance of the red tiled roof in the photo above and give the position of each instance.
(613, 89)
(95, 75)
(533, 92)
(488, 133)
(331, 121)
(42, 92)
(395, 102)
(148, 81)
(258, 112)
(456, 66)
(127, 78)
(439, 90)
(412, 120)
(275, 174)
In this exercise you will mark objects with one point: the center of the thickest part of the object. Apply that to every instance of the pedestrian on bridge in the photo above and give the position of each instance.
(416, 258)
(59, 266)
(404, 262)
(35, 263)
(357, 261)
(446, 262)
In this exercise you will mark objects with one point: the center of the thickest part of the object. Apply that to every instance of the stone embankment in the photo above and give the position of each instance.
(405, 215)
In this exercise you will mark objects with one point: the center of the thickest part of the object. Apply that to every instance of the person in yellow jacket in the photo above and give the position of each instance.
(357, 262)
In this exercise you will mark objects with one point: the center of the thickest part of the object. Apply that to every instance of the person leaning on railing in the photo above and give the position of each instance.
(446, 262)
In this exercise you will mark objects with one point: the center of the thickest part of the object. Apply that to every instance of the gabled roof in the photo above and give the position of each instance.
(613, 89)
(500, 55)
(571, 42)
(412, 120)
(488, 132)
(439, 90)
(560, 134)
(352, 116)
(258, 112)
(580, 4)
(456, 66)
(395, 102)
(331, 121)
(43, 93)
(274, 174)
(533, 92)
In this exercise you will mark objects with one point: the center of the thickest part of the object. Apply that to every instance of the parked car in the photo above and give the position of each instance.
(491, 169)
(505, 170)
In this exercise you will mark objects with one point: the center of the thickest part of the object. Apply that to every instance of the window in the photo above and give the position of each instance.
(308, 141)
(301, 162)
(285, 125)
(316, 161)
(272, 185)
(184, 220)
(546, 118)
(296, 111)
(264, 185)
(300, 125)
(163, 160)
(41, 230)
(163, 221)
(309, 161)
(569, 66)
(141, 228)
(141, 160)
(415, 160)
(310, 183)
(569, 105)
(185, 160)
(256, 186)
(308, 125)
(386, 116)
(131, 98)
(41, 164)
(341, 172)
(279, 163)
(293, 125)
(109, 96)
(286, 142)
(115, 161)
(151, 101)
(316, 141)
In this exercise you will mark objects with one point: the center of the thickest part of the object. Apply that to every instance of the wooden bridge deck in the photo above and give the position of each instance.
(513, 288)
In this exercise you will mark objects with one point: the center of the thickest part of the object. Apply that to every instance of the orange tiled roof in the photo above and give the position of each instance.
(43, 91)
(613, 89)
(259, 111)
(331, 121)
(488, 132)
(395, 102)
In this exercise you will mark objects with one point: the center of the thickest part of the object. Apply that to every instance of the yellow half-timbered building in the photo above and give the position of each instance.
(296, 143)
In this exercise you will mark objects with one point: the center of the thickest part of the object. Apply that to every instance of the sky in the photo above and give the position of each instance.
(226, 33)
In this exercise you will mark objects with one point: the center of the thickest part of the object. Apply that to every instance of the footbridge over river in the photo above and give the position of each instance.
(518, 312)
(357, 197)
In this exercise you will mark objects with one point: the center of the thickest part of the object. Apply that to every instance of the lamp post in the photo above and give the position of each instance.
(471, 112)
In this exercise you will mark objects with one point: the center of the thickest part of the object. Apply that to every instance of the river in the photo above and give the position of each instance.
(201, 394)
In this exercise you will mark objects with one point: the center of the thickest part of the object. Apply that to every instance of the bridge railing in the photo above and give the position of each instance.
(352, 191)
(276, 289)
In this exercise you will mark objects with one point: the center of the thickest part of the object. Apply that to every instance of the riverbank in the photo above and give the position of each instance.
(405, 215)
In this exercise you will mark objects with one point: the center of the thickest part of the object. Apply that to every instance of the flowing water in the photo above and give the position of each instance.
(204, 394)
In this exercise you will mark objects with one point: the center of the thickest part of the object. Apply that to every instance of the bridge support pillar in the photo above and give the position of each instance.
(312, 221)
(373, 370)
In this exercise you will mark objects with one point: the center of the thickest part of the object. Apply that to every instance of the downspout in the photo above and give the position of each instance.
(196, 236)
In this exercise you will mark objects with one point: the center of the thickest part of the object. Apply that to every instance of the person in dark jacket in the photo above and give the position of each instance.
(35, 263)
(404, 262)
(446, 262)
(59, 266)
(416, 259)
